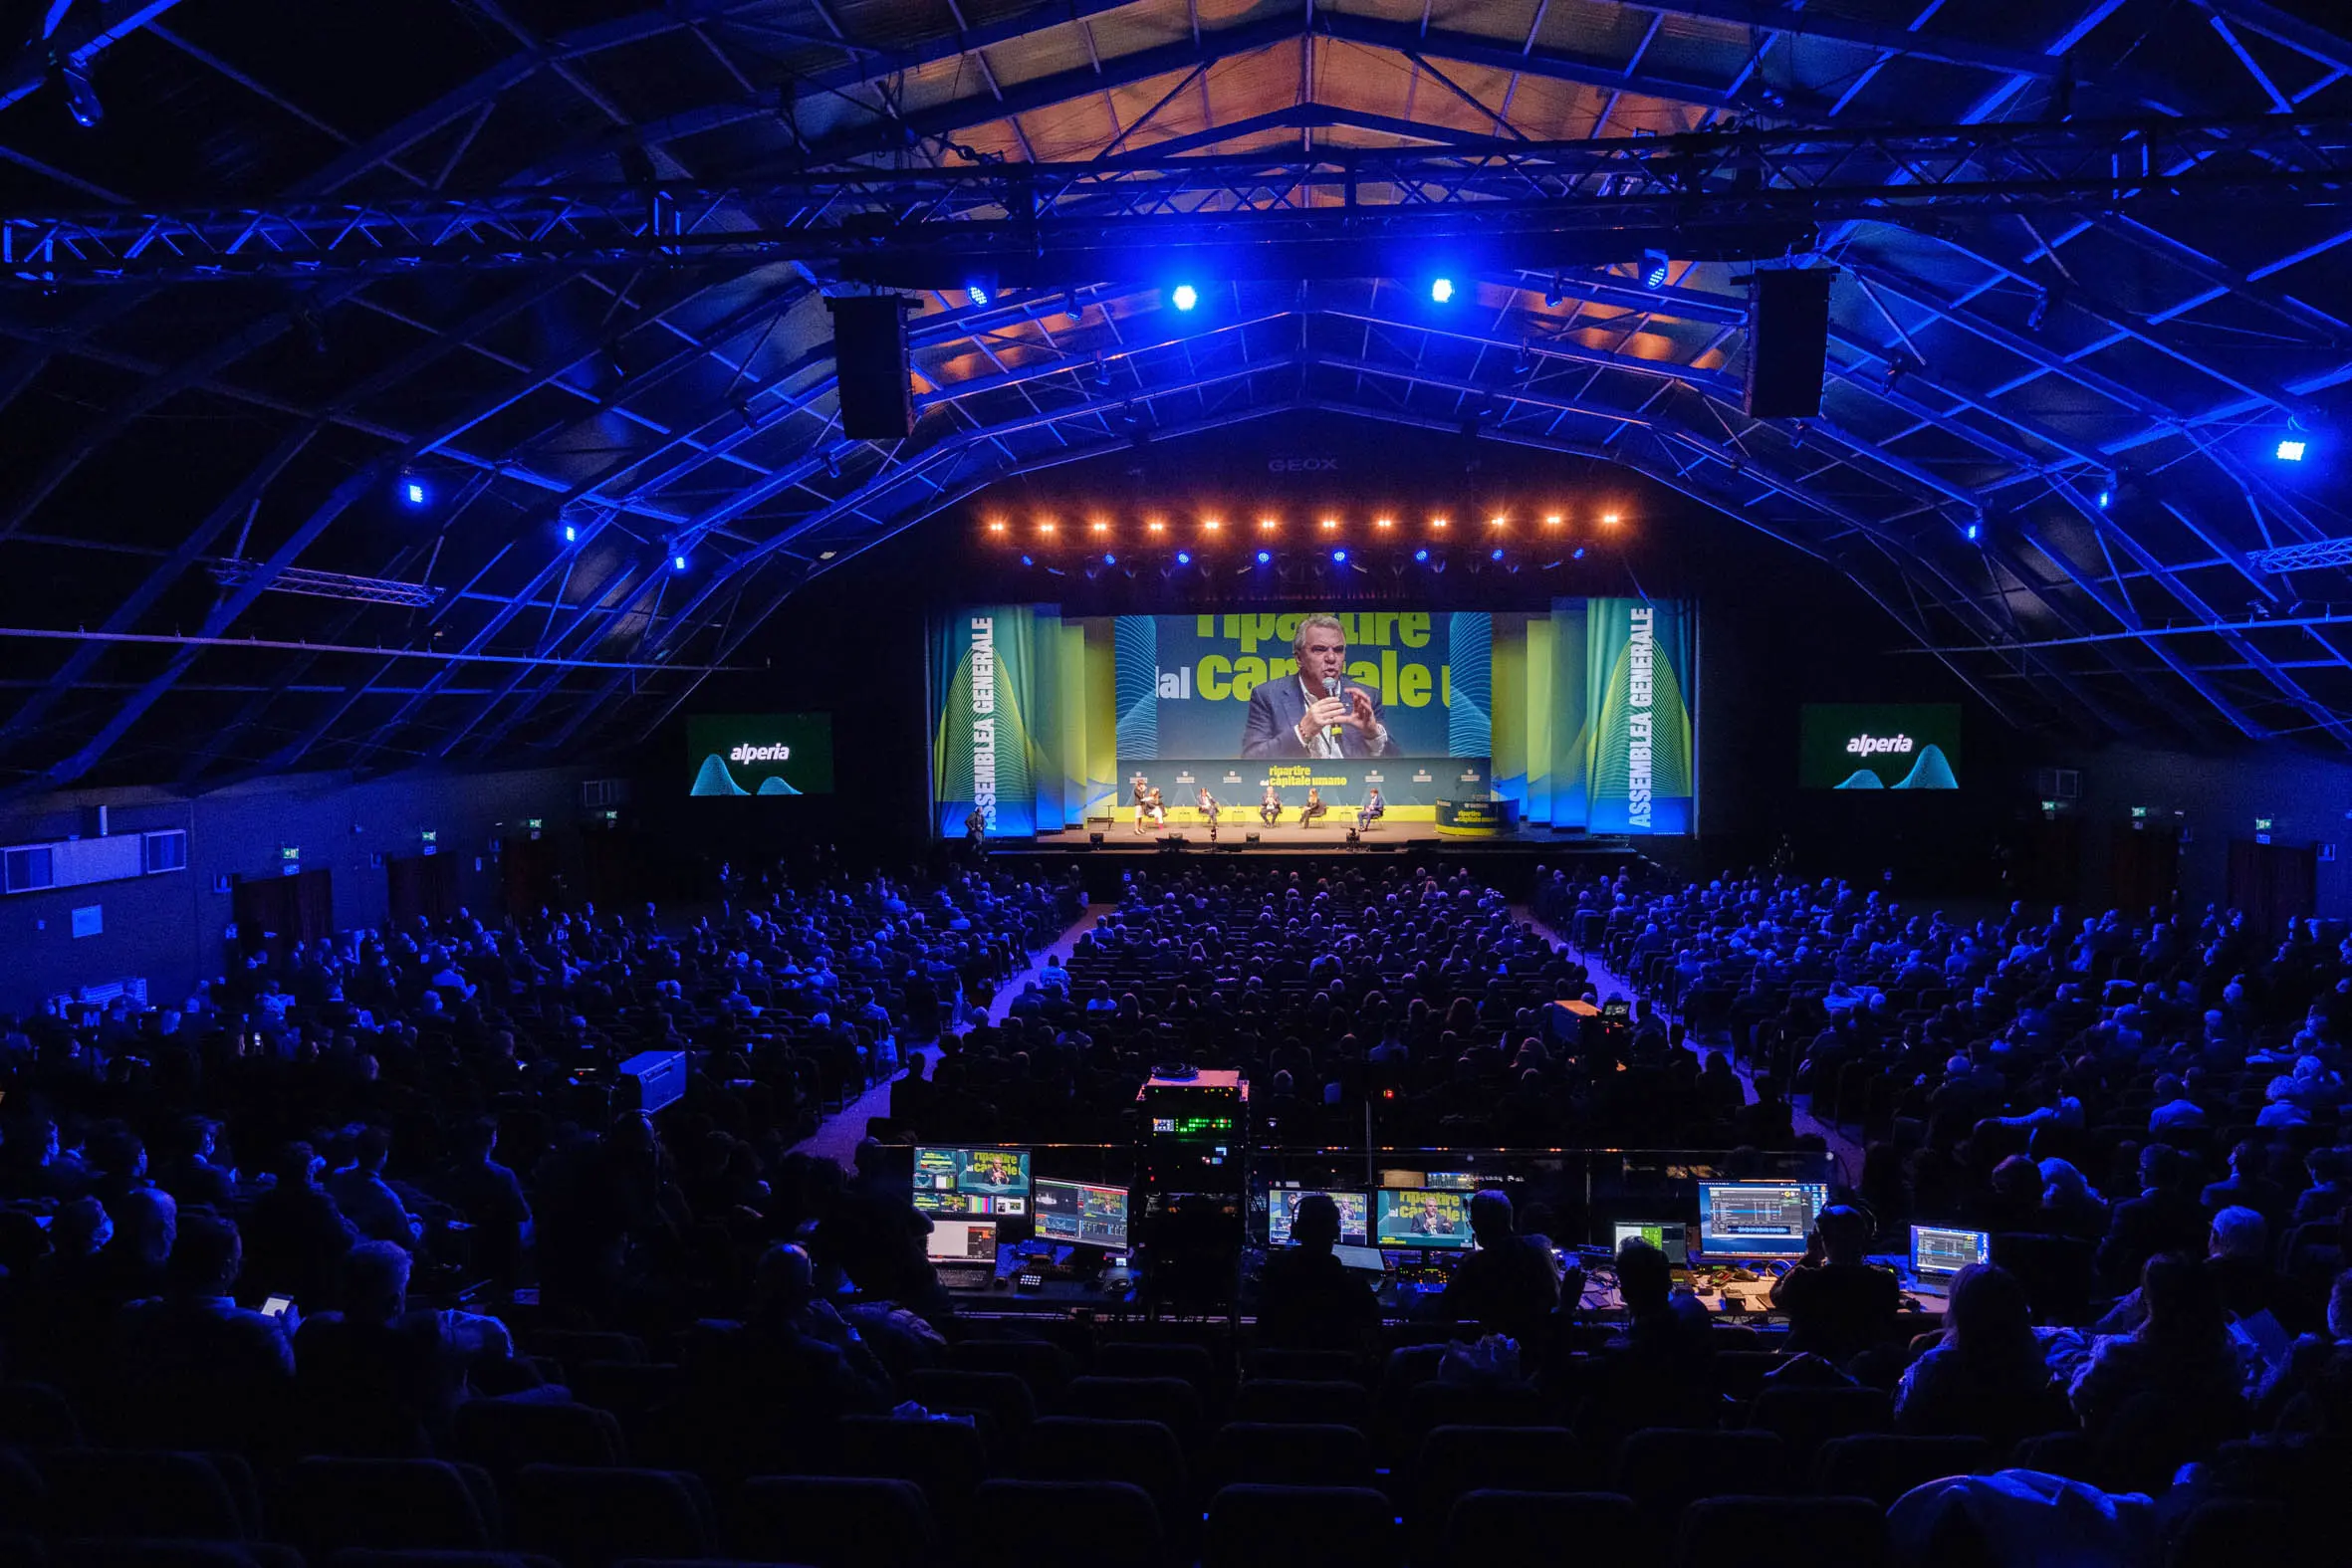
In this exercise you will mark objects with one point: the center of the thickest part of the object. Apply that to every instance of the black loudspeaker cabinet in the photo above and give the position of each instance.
(1787, 342)
(869, 356)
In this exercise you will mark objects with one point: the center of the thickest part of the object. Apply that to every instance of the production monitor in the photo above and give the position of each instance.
(1281, 1208)
(962, 1242)
(1439, 1181)
(1428, 1217)
(1758, 1218)
(1939, 1251)
(1672, 1239)
(1076, 1212)
(991, 1182)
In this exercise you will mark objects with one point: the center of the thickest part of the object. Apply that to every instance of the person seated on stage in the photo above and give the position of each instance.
(1311, 1300)
(1143, 795)
(1156, 809)
(1371, 811)
(1314, 808)
(1838, 1305)
(1208, 806)
(1270, 806)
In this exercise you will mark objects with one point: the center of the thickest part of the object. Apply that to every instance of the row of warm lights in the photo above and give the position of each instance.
(1048, 527)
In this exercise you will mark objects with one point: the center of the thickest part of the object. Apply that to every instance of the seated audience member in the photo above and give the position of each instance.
(2306, 1391)
(379, 1379)
(1985, 1377)
(2068, 1204)
(1660, 1371)
(1838, 1304)
(793, 1351)
(1510, 1285)
(487, 1198)
(203, 1371)
(2238, 1255)
(2176, 1376)
(2165, 1217)
(133, 1266)
(299, 1234)
(2324, 1198)
(366, 1199)
(1309, 1301)
(189, 1172)
(2246, 1187)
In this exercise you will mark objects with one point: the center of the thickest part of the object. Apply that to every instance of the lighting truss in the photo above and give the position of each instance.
(233, 572)
(2310, 556)
(1495, 191)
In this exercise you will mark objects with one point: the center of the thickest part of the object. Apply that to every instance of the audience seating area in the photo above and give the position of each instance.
(529, 1329)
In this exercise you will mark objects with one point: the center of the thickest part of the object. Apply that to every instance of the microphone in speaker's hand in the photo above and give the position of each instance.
(1331, 690)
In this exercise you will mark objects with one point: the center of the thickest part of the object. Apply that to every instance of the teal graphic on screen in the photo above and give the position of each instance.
(773, 753)
(1879, 746)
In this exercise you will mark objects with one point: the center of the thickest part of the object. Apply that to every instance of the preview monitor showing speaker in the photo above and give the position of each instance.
(870, 360)
(1787, 342)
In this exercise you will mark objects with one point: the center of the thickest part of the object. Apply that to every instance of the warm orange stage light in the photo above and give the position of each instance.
(1552, 521)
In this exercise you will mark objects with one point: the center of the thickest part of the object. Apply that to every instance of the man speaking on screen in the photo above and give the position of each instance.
(1315, 713)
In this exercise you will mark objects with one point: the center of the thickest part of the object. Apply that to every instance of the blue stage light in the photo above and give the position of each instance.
(1496, 556)
(979, 291)
(1339, 556)
(571, 535)
(2106, 497)
(1972, 530)
(2291, 449)
(1184, 557)
(1110, 560)
(413, 491)
(1027, 561)
(1421, 554)
(1186, 297)
(1577, 553)
(1263, 556)
(677, 563)
(1441, 290)
(1654, 267)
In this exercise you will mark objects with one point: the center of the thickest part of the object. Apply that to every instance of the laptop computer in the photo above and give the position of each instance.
(1938, 1252)
(964, 1251)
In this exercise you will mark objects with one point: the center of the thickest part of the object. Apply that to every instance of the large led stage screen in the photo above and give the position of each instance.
(1581, 713)
(759, 753)
(1879, 746)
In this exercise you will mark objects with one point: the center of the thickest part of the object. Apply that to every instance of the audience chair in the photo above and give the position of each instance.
(833, 1521)
(590, 1517)
(1883, 1467)
(1300, 1528)
(946, 1458)
(1493, 1527)
(1783, 1532)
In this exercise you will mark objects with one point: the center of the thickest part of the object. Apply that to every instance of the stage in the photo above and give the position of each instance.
(1328, 834)
(1509, 860)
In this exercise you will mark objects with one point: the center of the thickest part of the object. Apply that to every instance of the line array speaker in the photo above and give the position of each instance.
(1787, 342)
(869, 357)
